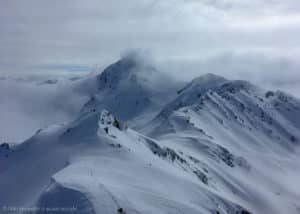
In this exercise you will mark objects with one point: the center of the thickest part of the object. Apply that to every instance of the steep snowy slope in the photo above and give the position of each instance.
(98, 165)
(274, 114)
(253, 132)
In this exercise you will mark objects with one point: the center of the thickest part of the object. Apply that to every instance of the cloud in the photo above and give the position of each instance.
(27, 105)
(257, 40)
(267, 71)
(38, 33)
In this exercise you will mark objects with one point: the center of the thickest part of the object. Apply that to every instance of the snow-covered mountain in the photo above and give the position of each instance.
(130, 88)
(252, 131)
(213, 146)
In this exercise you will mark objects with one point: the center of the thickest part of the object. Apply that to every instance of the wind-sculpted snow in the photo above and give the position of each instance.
(218, 146)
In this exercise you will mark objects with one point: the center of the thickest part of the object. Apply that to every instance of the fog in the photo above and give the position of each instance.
(256, 40)
(27, 105)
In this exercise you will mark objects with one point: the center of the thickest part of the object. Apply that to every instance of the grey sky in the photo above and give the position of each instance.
(56, 35)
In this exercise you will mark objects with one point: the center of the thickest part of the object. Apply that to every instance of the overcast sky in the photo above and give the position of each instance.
(253, 38)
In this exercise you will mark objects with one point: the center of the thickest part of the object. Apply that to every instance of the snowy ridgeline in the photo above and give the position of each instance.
(213, 146)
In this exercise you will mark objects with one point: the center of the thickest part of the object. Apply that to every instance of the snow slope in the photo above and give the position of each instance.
(99, 168)
(217, 146)
(252, 131)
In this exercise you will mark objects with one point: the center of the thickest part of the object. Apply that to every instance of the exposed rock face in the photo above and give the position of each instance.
(107, 120)
(5, 146)
(4, 150)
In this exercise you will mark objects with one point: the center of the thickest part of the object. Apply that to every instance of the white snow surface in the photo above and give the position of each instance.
(217, 146)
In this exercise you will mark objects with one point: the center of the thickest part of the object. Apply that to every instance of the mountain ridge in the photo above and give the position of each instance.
(217, 146)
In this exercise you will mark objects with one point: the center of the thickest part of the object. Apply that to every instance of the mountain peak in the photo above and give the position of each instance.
(204, 86)
(203, 83)
(209, 77)
(129, 87)
(127, 68)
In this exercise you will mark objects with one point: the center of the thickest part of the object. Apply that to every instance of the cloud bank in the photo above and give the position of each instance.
(30, 104)
(38, 33)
